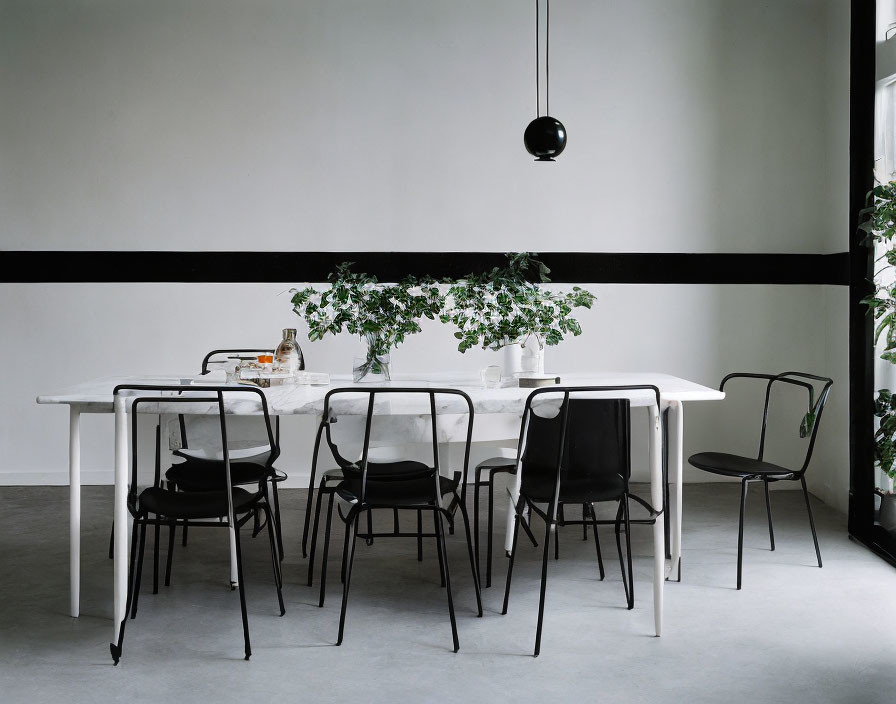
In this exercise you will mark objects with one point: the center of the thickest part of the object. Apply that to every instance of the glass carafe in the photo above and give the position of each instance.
(288, 357)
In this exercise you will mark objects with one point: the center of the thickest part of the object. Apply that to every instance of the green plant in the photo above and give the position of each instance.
(503, 306)
(383, 314)
(885, 436)
(878, 219)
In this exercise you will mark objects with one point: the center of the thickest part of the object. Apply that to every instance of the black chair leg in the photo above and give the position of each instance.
(242, 587)
(183, 540)
(275, 495)
(320, 493)
(490, 527)
(308, 506)
(584, 518)
(435, 522)
(172, 529)
(115, 648)
(139, 573)
(528, 530)
(112, 541)
(768, 510)
(557, 541)
(275, 558)
(516, 534)
(311, 491)
(476, 488)
(588, 508)
(740, 531)
(628, 554)
(345, 551)
(419, 535)
(157, 533)
(617, 531)
(443, 551)
(323, 566)
(369, 527)
(474, 563)
(268, 512)
(544, 577)
(811, 520)
(351, 528)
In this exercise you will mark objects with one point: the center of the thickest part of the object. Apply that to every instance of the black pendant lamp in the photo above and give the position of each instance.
(545, 137)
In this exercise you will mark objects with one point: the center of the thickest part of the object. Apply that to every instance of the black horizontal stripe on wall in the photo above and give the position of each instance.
(17, 266)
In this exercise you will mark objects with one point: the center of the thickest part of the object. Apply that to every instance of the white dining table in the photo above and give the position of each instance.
(97, 397)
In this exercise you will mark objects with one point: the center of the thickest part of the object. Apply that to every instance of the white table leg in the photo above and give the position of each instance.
(74, 508)
(511, 511)
(120, 563)
(234, 579)
(676, 447)
(656, 498)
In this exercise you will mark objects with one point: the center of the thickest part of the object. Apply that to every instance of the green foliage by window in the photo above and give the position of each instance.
(879, 221)
(503, 306)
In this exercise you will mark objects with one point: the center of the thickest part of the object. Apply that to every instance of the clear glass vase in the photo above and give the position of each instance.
(532, 359)
(372, 364)
(289, 357)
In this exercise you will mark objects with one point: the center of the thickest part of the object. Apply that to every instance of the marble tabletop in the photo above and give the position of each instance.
(96, 396)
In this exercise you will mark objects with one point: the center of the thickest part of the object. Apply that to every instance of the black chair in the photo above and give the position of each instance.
(581, 455)
(330, 478)
(748, 469)
(365, 486)
(201, 469)
(221, 506)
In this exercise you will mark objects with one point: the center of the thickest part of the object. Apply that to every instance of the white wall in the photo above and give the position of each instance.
(695, 125)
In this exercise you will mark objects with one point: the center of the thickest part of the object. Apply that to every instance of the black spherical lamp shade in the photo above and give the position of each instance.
(545, 138)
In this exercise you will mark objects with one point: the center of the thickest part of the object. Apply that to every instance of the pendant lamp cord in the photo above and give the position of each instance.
(547, 60)
(537, 57)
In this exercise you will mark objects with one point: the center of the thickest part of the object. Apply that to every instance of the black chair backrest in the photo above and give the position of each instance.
(195, 431)
(362, 401)
(567, 434)
(596, 440)
(167, 398)
(238, 352)
(815, 403)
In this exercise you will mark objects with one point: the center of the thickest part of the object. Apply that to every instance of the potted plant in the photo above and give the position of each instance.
(381, 314)
(503, 308)
(879, 221)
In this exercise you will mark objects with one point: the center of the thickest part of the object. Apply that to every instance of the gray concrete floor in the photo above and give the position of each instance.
(793, 634)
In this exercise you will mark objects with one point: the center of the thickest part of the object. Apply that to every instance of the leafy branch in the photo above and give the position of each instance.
(357, 303)
(503, 306)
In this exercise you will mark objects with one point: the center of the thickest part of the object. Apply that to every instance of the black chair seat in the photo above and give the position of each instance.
(738, 466)
(194, 504)
(598, 487)
(499, 464)
(199, 457)
(405, 492)
(209, 476)
(402, 469)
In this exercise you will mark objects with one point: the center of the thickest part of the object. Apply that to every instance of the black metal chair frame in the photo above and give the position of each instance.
(275, 476)
(507, 465)
(328, 482)
(551, 516)
(361, 505)
(141, 515)
(795, 379)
